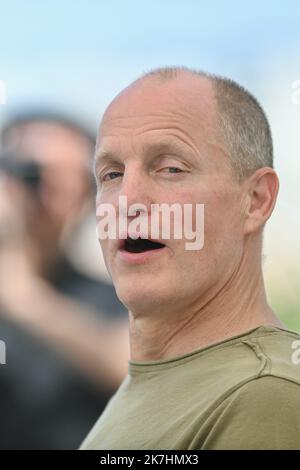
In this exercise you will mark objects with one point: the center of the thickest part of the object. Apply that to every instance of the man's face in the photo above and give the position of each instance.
(157, 145)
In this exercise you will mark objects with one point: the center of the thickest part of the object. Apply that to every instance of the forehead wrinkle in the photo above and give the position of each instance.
(175, 140)
(103, 156)
(173, 127)
(168, 142)
(187, 127)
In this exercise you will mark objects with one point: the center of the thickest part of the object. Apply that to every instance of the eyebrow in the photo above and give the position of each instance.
(103, 156)
(166, 144)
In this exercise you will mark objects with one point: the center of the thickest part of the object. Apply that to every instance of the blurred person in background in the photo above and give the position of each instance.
(66, 334)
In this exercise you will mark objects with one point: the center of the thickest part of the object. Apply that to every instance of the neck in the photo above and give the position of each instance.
(232, 309)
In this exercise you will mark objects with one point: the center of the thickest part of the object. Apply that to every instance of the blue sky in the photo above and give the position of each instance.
(78, 54)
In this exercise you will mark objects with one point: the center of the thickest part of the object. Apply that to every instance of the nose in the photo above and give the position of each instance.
(136, 188)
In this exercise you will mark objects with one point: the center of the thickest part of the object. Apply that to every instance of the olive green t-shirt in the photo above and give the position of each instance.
(242, 393)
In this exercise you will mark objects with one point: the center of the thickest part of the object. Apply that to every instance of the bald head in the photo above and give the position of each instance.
(233, 119)
(155, 91)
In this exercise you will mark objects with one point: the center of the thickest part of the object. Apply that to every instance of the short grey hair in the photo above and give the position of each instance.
(242, 124)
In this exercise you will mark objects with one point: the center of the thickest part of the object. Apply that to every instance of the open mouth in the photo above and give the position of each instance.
(140, 245)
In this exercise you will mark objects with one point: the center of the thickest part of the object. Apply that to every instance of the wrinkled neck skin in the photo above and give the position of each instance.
(226, 310)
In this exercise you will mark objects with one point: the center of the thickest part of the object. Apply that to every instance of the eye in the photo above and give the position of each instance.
(111, 175)
(174, 169)
(171, 170)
